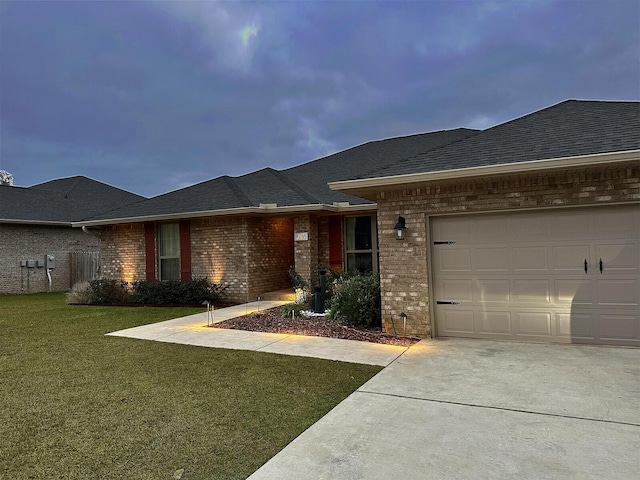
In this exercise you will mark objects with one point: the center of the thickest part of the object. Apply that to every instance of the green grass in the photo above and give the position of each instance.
(76, 404)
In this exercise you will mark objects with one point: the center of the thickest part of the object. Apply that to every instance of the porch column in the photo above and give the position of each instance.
(305, 235)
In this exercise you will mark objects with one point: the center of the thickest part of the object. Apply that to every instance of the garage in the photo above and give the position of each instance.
(568, 275)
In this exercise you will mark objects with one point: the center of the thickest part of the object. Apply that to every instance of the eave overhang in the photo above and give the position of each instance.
(263, 209)
(367, 187)
(35, 222)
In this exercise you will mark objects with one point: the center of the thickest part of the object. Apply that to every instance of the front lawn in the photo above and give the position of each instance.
(77, 404)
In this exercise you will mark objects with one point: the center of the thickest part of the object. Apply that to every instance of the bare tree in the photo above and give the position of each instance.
(6, 178)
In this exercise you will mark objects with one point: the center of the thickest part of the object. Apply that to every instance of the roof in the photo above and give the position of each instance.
(571, 128)
(61, 201)
(298, 188)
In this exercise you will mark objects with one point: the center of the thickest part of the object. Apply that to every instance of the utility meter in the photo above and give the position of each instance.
(50, 261)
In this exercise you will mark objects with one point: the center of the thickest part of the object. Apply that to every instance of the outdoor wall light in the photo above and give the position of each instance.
(403, 316)
(400, 228)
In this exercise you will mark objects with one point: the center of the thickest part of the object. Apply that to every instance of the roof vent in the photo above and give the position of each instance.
(268, 205)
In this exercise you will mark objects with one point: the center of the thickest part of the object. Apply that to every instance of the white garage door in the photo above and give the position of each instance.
(563, 275)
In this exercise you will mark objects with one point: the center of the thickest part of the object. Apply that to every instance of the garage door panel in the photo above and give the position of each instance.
(529, 282)
(489, 228)
(569, 258)
(618, 292)
(454, 260)
(528, 227)
(457, 320)
(533, 323)
(491, 259)
(573, 291)
(453, 227)
(456, 289)
(619, 326)
(491, 291)
(575, 325)
(618, 258)
(530, 259)
(495, 323)
(567, 224)
(531, 291)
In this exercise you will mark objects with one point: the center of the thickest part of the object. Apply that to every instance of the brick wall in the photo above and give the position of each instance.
(306, 251)
(403, 264)
(33, 242)
(123, 252)
(270, 254)
(324, 251)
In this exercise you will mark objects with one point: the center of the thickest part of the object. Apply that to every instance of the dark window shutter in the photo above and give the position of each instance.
(335, 243)
(150, 250)
(185, 250)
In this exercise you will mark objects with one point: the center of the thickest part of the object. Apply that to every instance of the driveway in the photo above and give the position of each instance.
(461, 409)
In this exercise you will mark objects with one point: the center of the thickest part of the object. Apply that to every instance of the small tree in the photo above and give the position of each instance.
(6, 178)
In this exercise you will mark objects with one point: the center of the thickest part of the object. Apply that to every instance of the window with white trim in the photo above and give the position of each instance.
(169, 251)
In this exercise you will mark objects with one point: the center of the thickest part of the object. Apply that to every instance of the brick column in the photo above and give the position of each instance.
(306, 251)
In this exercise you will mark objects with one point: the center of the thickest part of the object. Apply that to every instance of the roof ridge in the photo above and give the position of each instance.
(293, 185)
(235, 188)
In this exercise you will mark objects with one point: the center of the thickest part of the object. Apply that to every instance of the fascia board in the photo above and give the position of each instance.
(262, 210)
(35, 222)
(488, 170)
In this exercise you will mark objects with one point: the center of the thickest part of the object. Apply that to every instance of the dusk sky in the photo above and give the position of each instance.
(154, 96)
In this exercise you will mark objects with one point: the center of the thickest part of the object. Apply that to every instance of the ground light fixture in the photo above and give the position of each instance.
(403, 316)
(400, 228)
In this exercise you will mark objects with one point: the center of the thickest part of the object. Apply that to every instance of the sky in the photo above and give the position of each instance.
(154, 96)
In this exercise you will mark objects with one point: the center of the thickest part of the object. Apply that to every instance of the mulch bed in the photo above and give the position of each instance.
(271, 321)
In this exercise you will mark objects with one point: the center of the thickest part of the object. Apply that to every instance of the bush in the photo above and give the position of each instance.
(356, 300)
(155, 292)
(158, 292)
(292, 310)
(108, 292)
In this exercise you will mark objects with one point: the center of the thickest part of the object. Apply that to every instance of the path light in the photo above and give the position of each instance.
(400, 228)
(210, 313)
(403, 316)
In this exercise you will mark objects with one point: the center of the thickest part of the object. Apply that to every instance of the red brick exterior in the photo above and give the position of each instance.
(404, 269)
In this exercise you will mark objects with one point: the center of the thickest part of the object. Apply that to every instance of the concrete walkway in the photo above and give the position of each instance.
(193, 330)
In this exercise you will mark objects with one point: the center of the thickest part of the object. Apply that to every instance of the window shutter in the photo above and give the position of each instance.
(335, 243)
(150, 250)
(185, 250)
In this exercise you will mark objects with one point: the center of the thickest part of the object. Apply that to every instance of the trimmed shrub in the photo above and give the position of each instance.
(108, 292)
(356, 300)
(159, 292)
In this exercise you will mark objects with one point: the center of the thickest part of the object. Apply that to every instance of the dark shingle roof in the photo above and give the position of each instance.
(302, 185)
(64, 200)
(570, 128)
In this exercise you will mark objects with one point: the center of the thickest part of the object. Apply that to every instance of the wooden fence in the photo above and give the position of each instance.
(84, 266)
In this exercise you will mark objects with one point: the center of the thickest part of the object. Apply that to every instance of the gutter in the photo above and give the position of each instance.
(263, 209)
(94, 233)
(488, 170)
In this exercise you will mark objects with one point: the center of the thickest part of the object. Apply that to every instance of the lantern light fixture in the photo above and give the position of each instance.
(400, 228)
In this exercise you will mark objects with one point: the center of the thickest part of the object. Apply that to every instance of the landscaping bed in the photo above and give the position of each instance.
(272, 321)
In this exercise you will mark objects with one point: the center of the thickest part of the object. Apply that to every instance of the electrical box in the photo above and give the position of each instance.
(23, 263)
(31, 263)
(39, 263)
(50, 261)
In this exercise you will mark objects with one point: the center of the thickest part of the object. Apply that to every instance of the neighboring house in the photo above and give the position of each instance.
(529, 230)
(36, 221)
(240, 230)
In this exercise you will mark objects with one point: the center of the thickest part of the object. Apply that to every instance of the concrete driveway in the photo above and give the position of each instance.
(462, 409)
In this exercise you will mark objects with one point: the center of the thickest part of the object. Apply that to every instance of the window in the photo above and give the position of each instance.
(169, 251)
(361, 244)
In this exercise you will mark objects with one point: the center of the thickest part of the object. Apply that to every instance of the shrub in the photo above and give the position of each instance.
(292, 310)
(108, 292)
(356, 300)
(80, 294)
(296, 279)
(158, 292)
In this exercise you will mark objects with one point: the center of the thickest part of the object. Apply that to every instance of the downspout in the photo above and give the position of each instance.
(95, 233)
